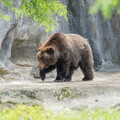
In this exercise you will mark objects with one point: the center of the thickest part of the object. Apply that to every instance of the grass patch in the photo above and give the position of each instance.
(67, 93)
(23, 112)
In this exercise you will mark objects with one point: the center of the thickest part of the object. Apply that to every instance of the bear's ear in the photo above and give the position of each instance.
(39, 48)
(50, 50)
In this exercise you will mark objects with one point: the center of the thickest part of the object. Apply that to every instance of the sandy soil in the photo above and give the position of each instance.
(102, 92)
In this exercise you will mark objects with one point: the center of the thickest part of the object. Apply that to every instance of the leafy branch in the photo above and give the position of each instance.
(106, 7)
(42, 11)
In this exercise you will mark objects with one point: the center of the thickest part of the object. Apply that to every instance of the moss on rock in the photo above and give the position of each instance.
(3, 72)
(68, 93)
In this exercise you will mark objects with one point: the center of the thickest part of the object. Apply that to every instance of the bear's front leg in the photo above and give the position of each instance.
(46, 70)
(42, 74)
(62, 71)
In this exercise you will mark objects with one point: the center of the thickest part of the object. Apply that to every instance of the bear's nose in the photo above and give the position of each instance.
(41, 66)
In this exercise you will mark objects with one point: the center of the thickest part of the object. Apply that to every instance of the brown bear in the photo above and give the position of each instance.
(66, 52)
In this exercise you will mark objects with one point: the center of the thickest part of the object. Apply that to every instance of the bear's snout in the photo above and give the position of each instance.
(38, 56)
(41, 66)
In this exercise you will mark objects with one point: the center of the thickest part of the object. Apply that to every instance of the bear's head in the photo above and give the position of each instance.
(47, 56)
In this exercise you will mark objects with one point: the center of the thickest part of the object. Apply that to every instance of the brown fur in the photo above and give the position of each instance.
(66, 52)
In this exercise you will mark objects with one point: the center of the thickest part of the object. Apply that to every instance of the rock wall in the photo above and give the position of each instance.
(103, 35)
(19, 39)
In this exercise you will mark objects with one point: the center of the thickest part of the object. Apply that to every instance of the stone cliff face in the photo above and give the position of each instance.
(19, 39)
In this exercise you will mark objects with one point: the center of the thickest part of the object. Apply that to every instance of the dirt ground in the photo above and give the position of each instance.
(103, 92)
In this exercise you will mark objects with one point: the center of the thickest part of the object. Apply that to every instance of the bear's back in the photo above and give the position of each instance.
(77, 38)
(73, 42)
(76, 42)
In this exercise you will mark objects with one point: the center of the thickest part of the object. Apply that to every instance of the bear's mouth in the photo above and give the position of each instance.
(45, 67)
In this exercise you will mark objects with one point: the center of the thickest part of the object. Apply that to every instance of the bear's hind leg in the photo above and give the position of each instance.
(88, 71)
(69, 76)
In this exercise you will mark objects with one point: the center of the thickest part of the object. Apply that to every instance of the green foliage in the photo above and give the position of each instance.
(22, 112)
(42, 11)
(67, 93)
(106, 7)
